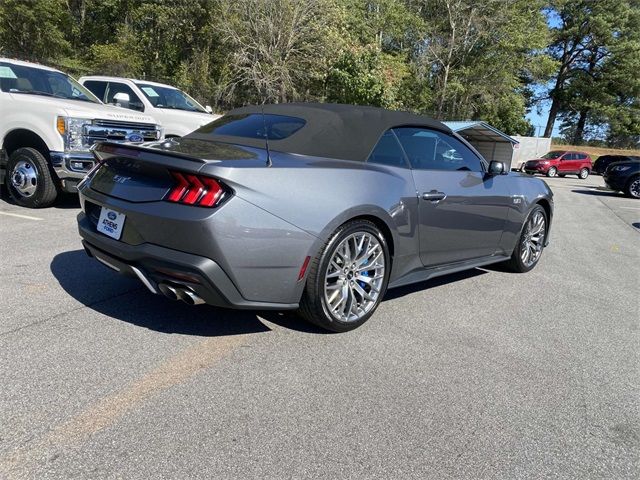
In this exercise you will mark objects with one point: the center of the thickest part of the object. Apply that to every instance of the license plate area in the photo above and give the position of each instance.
(111, 223)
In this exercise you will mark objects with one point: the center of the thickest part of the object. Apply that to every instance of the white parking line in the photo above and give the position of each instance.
(17, 215)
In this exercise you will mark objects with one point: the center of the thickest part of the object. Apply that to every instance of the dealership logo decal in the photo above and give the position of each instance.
(120, 179)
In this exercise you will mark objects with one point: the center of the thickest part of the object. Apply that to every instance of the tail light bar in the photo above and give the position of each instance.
(195, 190)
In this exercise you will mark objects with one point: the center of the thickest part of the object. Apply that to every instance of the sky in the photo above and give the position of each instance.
(539, 120)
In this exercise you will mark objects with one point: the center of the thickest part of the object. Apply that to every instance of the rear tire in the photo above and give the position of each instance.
(584, 173)
(334, 298)
(520, 262)
(552, 172)
(633, 187)
(29, 179)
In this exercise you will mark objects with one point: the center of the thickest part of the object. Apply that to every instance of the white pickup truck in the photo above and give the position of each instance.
(48, 124)
(176, 111)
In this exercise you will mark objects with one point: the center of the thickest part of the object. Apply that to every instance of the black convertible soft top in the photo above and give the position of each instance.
(332, 130)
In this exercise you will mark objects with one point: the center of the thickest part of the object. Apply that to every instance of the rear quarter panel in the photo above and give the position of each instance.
(317, 195)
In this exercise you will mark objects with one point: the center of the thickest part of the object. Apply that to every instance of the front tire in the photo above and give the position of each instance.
(633, 187)
(530, 243)
(29, 179)
(584, 173)
(348, 278)
(552, 172)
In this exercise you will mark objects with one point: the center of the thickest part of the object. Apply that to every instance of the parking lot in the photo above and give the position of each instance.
(483, 374)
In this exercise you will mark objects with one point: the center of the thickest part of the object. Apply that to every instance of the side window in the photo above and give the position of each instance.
(433, 150)
(582, 156)
(97, 88)
(134, 102)
(569, 156)
(387, 151)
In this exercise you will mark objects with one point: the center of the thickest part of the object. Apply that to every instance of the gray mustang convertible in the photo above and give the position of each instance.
(315, 207)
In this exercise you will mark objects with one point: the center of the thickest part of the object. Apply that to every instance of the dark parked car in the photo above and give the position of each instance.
(602, 162)
(315, 207)
(624, 177)
(561, 163)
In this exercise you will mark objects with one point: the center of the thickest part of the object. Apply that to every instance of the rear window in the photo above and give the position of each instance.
(254, 125)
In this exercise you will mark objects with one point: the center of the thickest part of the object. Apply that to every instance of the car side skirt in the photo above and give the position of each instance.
(427, 273)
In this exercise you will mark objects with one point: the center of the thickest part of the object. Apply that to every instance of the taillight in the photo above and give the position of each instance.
(195, 190)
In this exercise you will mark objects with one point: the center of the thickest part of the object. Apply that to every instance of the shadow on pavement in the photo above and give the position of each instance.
(125, 299)
(432, 283)
(598, 192)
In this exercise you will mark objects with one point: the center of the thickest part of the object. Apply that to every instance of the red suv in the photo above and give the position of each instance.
(561, 163)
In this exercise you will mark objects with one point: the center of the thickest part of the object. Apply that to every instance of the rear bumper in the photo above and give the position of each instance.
(153, 265)
(71, 168)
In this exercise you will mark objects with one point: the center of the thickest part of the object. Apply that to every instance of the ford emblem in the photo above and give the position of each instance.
(135, 138)
(112, 216)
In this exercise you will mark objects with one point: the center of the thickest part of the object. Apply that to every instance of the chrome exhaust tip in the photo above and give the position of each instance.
(168, 291)
(189, 297)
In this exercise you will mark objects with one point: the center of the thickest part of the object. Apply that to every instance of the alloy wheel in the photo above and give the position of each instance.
(533, 239)
(634, 188)
(354, 277)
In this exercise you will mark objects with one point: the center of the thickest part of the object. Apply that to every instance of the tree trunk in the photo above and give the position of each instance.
(582, 120)
(553, 113)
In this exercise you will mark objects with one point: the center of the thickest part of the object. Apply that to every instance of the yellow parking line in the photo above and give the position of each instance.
(17, 215)
(108, 410)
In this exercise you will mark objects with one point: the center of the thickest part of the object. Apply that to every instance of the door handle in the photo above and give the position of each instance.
(434, 196)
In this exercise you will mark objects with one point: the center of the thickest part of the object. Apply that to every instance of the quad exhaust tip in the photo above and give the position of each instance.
(185, 294)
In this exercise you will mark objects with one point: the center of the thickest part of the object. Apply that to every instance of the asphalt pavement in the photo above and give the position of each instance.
(483, 374)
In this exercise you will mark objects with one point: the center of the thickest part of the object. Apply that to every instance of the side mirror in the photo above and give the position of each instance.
(497, 168)
(208, 109)
(122, 99)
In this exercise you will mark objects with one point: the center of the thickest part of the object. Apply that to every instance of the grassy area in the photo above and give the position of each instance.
(595, 152)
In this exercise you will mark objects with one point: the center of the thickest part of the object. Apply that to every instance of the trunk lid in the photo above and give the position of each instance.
(142, 173)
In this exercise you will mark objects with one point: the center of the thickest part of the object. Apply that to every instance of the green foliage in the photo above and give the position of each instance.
(34, 30)
(453, 59)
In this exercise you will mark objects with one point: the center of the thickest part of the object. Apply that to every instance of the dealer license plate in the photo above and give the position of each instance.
(111, 223)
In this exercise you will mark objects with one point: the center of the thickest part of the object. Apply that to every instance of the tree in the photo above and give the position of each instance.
(585, 39)
(35, 30)
(478, 57)
(279, 50)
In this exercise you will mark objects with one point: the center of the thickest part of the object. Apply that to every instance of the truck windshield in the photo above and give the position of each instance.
(172, 98)
(38, 81)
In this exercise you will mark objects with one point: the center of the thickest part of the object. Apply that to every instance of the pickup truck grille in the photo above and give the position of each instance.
(101, 130)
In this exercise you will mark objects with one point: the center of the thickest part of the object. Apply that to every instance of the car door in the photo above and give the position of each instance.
(97, 87)
(114, 88)
(462, 209)
(568, 163)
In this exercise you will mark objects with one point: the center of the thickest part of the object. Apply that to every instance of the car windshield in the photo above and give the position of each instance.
(171, 98)
(552, 155)
(38, 81)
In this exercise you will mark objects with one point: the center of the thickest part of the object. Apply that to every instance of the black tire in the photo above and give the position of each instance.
(632, 188)
(584, 173)
(552, 172)
(26, 160)
(515, 263)
(313, 305)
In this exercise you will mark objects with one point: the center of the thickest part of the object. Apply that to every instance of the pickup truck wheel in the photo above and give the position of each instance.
(584, 173)
(552, 172)
(530, 243)
(29, 180)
